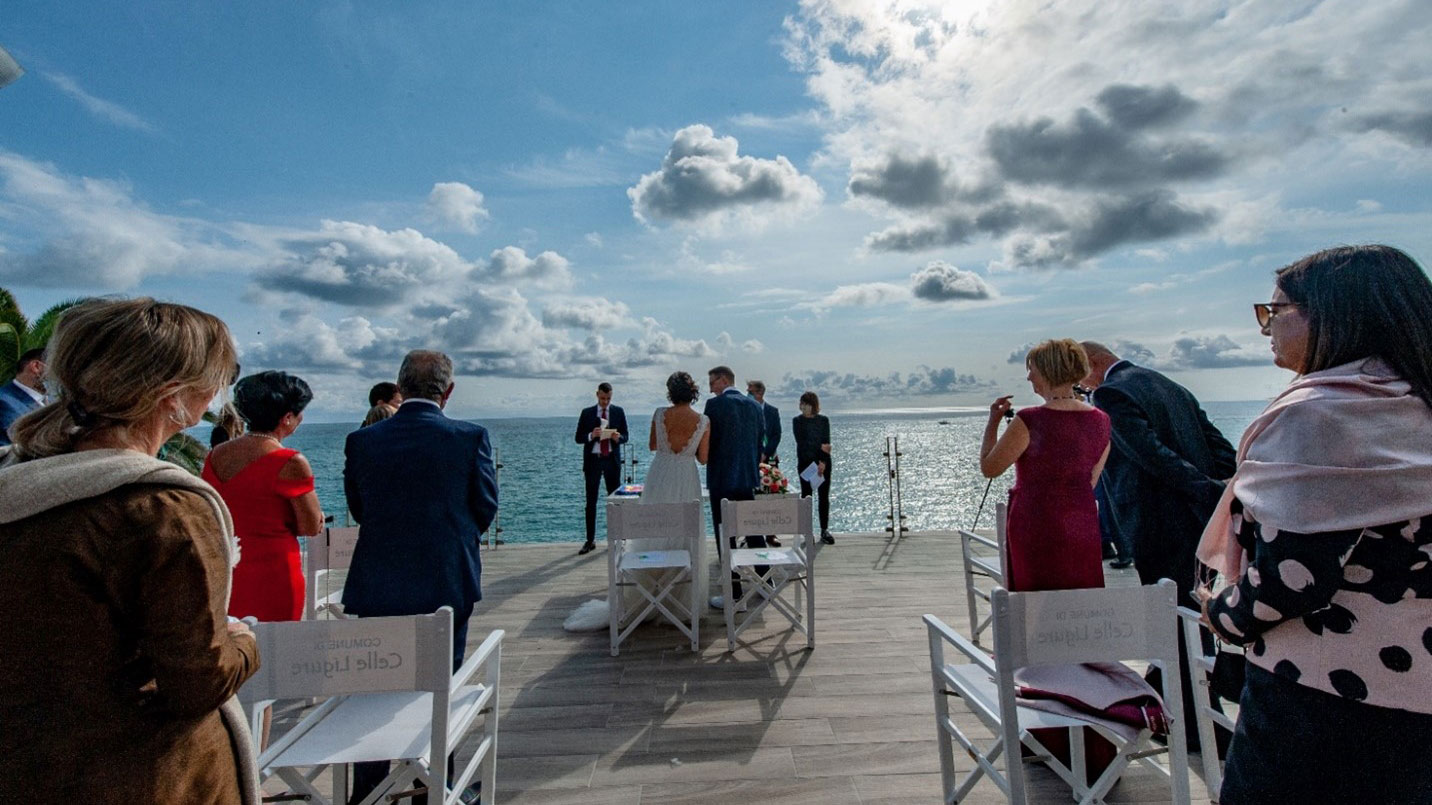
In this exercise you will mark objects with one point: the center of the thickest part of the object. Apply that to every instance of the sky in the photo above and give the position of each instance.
(884, 202)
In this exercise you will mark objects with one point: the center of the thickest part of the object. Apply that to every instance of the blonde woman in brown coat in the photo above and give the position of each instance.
(119, 663)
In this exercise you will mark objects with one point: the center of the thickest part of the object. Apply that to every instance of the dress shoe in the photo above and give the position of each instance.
(826, 538)
(1120, 564)
(1110, 553)
(772, 542)
(587, 547)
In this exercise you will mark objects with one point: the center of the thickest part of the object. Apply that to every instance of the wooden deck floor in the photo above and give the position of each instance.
(849, 722)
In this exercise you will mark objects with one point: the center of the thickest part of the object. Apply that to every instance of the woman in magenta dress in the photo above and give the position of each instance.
(269, 490)
(1058, 450)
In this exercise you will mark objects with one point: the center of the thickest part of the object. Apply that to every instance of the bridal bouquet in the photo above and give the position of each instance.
(773, 481)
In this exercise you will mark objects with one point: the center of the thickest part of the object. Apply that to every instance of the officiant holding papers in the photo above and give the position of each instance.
(812, 434)
(601, 430)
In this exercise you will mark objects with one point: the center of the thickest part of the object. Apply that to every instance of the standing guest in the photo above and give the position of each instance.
(733, 464)
(1058, 450)
(24, 393)
(383, 401)
(422, 488)
(1163, 479)
(1326, 533)
(269, 489)
(601, 430)
(121, 665)
(812, 434)
(770, 422)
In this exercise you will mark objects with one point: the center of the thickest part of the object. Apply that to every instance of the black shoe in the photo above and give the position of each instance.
(826, 538)
(587, 547)
(1110, 553)
(1120, 564)
(772, 542)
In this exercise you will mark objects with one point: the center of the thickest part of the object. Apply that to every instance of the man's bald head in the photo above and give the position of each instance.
(1100, 359)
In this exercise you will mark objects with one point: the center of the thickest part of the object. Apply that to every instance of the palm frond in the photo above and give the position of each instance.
(43, 328)
(185, 451)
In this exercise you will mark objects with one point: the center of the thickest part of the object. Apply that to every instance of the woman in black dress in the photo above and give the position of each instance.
(812, 432)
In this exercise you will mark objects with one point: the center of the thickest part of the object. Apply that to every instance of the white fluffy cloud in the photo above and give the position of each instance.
(939, 281)
(511, 264)
(703, 178)
(361, 265)
(923, 381)
(587, 314)
(457, 205)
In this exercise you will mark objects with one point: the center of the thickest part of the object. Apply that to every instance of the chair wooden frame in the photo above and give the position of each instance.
(654, 574)
(329, 551)
(979, 564)
(390, 695)
(791, 567)
(1200, 668)
(1027, 632)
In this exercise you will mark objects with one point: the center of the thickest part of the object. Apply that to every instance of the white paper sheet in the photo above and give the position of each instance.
(812, 476)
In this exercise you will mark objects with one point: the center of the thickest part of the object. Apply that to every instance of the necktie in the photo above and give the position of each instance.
(606, 443)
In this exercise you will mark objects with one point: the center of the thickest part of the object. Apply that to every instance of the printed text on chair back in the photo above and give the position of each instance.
(768, 514)
(633, 520)
(1059, 627)
(341, 542)
(304, 659)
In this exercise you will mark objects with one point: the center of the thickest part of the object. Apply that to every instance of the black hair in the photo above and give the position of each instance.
(1365, 301)
(263, 399)
(36, 354)
(604, 387)
(680, 388)
(813, 400)
(723, 371)
(381, 392)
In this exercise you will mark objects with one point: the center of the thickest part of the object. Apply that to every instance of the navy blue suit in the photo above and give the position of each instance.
(596, 467)
(14, 403)
(771, 432)
(422, 488)
(733, 463)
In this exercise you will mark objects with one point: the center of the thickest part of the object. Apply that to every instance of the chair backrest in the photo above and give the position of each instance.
(306, 659)
(780, 515)
(1063, 627)
(1001, 515)
(331, 550)
(636, 520)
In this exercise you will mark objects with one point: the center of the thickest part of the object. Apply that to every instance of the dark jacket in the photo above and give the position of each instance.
(616, 418)
(1166, 469)
(810, 433)
(771, 432)
(422, 488)
(733, 462)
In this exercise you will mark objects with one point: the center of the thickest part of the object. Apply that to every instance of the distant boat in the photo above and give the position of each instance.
(944, 422)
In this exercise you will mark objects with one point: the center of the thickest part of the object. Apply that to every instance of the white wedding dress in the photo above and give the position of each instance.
(672, 478)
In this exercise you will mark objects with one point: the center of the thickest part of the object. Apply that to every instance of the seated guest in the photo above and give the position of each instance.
(1325, 533)
(383, 401)
(1058, 450)
(269, 488)
(121, 665)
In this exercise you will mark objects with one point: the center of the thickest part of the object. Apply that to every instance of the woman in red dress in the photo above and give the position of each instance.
(1058, 450)
(269, 490)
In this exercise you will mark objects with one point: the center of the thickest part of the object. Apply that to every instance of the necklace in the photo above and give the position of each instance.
(263, 435)
(1070, 397)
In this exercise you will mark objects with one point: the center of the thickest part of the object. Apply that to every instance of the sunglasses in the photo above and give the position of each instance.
(1266, 311)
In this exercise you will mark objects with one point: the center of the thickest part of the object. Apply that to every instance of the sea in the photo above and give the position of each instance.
(939, 484)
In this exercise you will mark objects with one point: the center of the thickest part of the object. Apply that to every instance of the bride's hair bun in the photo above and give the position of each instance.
(680, 388)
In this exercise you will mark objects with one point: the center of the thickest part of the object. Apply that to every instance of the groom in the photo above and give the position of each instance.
(733, 464)
(601, 453)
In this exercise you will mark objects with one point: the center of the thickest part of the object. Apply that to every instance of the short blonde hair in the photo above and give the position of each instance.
(1060, 361)
(112, 362)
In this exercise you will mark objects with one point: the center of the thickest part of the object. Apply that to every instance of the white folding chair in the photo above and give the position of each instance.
(983, 558)
(1061, 627)
(656, 574)
(391, 695)
(1200, 667)
(791, 567)
(332, 550)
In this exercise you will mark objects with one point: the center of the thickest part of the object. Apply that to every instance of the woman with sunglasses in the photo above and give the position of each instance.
(1324, 541)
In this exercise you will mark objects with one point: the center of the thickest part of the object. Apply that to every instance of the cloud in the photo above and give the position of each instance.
(1020, 352)
(1107, 224)
(753, 347)
(588, 314)
(1137, 107)
(941, 282)
(457, 205)
(593, 239)
(307, 343)
(914, 182)
(1412, 127)
(949, 231)
(923, 381)
(105, 110)
(1212, 352)
(865, 294)
(703, 178)
(363, 266)
(92, 234)
(511, 264)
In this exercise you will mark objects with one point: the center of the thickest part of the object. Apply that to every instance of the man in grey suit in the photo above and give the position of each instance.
(23, 394)
(733, 464)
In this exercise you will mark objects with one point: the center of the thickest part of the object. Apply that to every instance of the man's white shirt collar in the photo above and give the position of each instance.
(421, 400)
(37, 396)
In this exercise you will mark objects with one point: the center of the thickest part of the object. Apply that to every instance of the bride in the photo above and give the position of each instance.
(680, 438)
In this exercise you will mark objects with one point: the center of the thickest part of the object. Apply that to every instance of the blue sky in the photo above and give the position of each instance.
(885, 202)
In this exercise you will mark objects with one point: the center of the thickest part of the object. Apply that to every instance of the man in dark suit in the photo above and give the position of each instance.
(733, 462)
(601, 453)
(1166, 470)
(422, 488)
(771, 421)
(23, 394)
